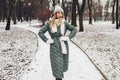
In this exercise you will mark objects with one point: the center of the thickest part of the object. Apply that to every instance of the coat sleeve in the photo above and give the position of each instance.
(42, 32)
(72, 29)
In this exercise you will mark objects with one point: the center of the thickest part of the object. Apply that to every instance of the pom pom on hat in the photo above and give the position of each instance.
(57, 9)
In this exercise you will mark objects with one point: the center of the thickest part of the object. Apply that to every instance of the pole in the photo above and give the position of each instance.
(29, 4)
(30, 15)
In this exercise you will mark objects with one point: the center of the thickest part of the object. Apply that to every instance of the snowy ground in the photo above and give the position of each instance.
(40, 67)
(17, 48)
(101, 42)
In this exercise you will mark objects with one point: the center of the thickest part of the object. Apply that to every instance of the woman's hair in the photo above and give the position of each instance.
(52, 20)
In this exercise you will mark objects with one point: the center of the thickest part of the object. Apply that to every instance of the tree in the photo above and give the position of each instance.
(59, 2)
(54, 3)
(74, 3)
(80, 12)
(11, 3)
(63, 1)
(43, 13)
(90, 11)
(14, 13)
(94, 10)
(113, 11)
(66, 10)
(19, 10)
(3, 10)
(106, 9)
(117, 23)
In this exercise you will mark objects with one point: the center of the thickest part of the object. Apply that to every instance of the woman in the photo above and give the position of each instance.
(59, 52)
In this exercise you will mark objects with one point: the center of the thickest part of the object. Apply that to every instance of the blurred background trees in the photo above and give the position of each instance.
(75, 10)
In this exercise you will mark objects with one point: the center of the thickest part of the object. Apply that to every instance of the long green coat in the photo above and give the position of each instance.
(59, 61)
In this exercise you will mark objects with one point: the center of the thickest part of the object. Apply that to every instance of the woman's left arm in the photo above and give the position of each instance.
(72, 29)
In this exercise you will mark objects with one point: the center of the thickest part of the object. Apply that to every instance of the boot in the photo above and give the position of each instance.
(58, 79)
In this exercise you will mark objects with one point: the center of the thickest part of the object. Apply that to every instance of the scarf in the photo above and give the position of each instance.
(62, 27)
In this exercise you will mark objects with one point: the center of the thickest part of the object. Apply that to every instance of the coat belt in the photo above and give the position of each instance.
(63, 46)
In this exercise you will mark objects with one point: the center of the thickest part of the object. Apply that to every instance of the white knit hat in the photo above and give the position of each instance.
(57, 9)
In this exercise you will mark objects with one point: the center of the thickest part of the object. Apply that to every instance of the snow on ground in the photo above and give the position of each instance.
(40, 67)
(101, 42)
(78, 66)
(17, 48)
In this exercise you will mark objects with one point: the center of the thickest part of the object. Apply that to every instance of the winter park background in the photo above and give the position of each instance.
(94, 52)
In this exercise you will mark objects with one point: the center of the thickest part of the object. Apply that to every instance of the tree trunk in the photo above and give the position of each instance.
(80, 12)
(94, 15)
(63, 5)
(0, 16)
(3, 10)
(14, 14)
(74, 13)
(11, 4)
(117, 23)
(113, 10)
(90, 11)
(53, 3)
(14, 17)
(107, 7)
(20, 10)
(59, 2)
(81, 28)
(9, 20)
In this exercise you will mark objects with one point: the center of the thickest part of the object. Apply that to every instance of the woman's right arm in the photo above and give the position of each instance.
(42, 32)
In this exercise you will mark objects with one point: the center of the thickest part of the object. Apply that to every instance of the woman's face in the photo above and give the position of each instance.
(59, 15)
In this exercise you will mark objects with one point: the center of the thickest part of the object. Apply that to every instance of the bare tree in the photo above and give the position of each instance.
(117, 23)
(3, 10)
(58, 2)
(14, 13)
(74, 3)
(10, 3)
(54, 3)
(19, 10)
(106, 9)
(80, 12)
(66, 9)
(90, 11)
(98, 8)
(113, 11)
(94, 10)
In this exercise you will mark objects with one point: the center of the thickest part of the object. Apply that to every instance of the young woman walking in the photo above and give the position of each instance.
(59, 50)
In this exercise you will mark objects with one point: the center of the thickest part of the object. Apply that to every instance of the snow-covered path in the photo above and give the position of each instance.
(80, 67)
